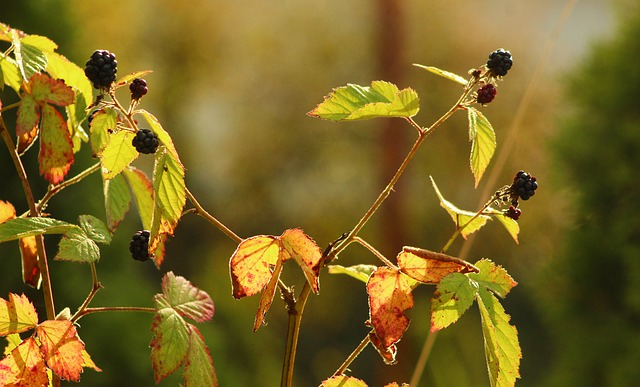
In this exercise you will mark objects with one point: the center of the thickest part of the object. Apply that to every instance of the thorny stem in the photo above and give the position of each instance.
(43, 264)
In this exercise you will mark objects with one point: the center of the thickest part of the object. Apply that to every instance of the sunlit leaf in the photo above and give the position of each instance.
(61, 347)
(267, 296)
(13, 340)
(87, 362)
(76, 246)
(60, 67)
(23, 227)
(130, 77)
(118, 154)
(354, 102)
(40, 42)
(24, 366)
(493, 277)
(198, 369)
(170, 343)
(29, 254)
(502, 349)
(251, 265)
(30, 59)
(343, 381)
(304, 250)
(461, 217)
(56, 148)
(509, 224)
(389, 297)
(483, 142)
(117, 200)
(445, 74)
(162, 134)
(142, 188)
(7, 211)
(453, 296)
(360, 272)
(17, 315)
(186, 299)
(102, 124)
(95, 229)
(10, 73)
(387, 353)
(169, 188)
(45, 89)
(430, 267)
(25, 141)
(28, 115)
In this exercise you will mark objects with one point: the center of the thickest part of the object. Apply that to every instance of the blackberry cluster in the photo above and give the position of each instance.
(513, 213)
(145, 141)
(139, 246)
(138, 88)
(499, 62)
(524, 185)
(101, 69)
(486, 94)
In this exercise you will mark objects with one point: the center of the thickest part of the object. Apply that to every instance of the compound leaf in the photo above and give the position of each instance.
(23, 227)
(117, 200)
(117, 154)
(17, 315)
(389, 297)
(62, 348)
(304, 250)
(50, 91)
(186, 299)
(56, 148)
(360, 272)
(493, 277)
(198, 369)
(453, 296)
(102, 124)
(28, 115)
(24, 366)
(76, 246)
(430, 267)
(251, 264)
(95, 229)
(483, 142)
(354, 102)
(170, 343)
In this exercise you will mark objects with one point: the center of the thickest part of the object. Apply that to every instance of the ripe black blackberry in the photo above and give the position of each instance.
(524, 186)
(138, 88)
(139, 246)
(499, 62)
(513, 213)
(145, 141)
(486, 94)
(101, 69)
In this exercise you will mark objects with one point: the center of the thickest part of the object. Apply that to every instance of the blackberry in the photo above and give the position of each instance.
(524, 186)
(486, 94)
(138, 88)
(101, 69)
(513, 213)
(139, 246)
(499, 62)
(145, 141)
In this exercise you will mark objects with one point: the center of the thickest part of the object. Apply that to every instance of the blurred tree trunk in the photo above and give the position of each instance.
(390, 58)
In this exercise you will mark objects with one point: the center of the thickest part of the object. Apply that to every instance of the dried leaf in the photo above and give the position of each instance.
(297, 245)
(61, 347)
(389, 298)
(388, 354)
(251, 264)
(430, 267)
(24, 366)
(56, 148)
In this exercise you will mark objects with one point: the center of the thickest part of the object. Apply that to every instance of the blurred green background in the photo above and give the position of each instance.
(232, 82)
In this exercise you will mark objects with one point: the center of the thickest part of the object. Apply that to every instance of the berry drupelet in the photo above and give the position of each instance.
(138, 88)
(139, 246)
(101, 69)
(499, 62)
(145, 141)
(513, 213)
(524, 185)
(486, 94)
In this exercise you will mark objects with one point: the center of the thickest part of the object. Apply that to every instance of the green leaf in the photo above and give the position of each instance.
(446, 74)
(360, 272)
(117, 200)
(28, 115)
(354, 102)
(95, 229)
(39, 42)
(18, 228)
(198, 369)
(142, 188)
(169, 187)
(118, 154)
(31, 59)
(493, 277)
(502, 349)
(170, 343)
(56, 148)
(102, 123)
(76, 246)
(453, 296)
(483, 142)
(162, 134)
(11, 73)
(186, 299)
(130, 77)
(509, 224)
(461, 217)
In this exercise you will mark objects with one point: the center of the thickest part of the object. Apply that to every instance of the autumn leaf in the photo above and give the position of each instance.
(28, 115)
(62, 348)
(45, 89)
(388, 353)
(343, 381)
(430, 267)
(25, 141)
(170, 343)
(306, 253)
(28, 249)
(198, 368)
(24, 366)
(56, 148)
(17, 315)
(389, 298)
(186, 299)
(267, 295)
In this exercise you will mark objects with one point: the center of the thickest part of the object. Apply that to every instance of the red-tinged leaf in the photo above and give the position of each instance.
(430, 267)
(304, 250)
(267, 296)
(170, 343)
(56, 148)
(52, 91)
(62, 348)
(29, 254)
(159, 252)
(493, 277)
(26, 140)
(343, 381)
(388, 354)
(198, 369)
(117, 201)
(389, 297)
(454, 294)
(187, 299)
(251, 263)
(28, 115)
(17, 315)
(24, 366)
